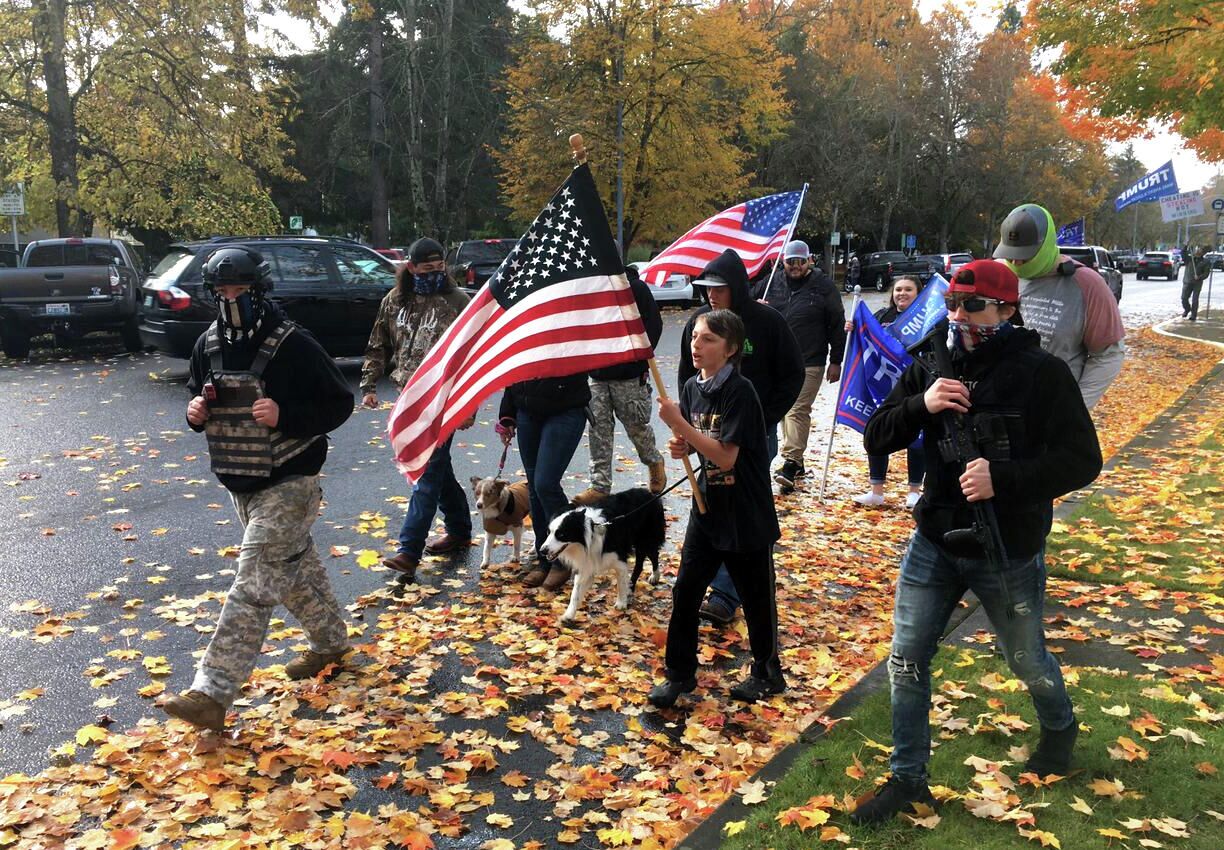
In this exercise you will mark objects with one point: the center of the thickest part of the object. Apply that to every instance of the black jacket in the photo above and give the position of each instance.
(813, 309)
(1051, 446)
(651, 320)
(313, 396)
(545, 396)
(772, 360)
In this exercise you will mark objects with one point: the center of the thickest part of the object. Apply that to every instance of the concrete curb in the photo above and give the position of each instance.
(708, 834)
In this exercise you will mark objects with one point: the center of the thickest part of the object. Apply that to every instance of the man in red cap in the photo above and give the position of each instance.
(1036, 442)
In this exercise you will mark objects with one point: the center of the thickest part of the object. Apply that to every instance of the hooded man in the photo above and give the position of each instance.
(772, 361)
(1035, 441)
(1069, 304)
(1197, 270)
(265, 394)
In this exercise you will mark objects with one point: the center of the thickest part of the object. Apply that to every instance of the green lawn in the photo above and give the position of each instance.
(1179, 778)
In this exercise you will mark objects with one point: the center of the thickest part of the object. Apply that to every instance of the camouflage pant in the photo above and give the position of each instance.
(629, 401)
(277, 564)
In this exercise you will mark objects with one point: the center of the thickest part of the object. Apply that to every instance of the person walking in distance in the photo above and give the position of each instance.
(1197, 270)
(265, 394)
(411, 318)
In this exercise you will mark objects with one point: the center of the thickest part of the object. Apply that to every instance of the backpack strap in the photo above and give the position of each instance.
(270, 345)
(212, 348)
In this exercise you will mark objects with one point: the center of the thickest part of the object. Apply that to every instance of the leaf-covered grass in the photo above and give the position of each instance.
(1178, 779)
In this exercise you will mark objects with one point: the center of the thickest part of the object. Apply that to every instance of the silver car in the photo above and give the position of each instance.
(676, 291)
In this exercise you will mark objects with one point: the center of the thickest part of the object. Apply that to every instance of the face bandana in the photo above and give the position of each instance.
(239, 316)
(965, 337)
(428, 283)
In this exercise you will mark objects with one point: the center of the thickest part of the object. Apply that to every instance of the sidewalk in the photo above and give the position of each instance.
(1135, 629)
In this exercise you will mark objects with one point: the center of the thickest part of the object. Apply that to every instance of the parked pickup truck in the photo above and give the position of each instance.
(70, 287)
(883, 267)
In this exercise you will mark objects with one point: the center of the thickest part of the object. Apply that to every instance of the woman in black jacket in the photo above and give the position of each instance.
(549, 416)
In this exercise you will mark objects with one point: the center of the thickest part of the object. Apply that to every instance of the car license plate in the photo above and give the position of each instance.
(58, 310)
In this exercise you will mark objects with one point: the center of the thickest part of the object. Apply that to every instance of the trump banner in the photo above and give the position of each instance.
(1072, 234)
(926, 312)
(875, 360)
(1151, 187)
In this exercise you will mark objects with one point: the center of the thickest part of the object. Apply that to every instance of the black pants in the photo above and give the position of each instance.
(1190, 298)
(753, 574)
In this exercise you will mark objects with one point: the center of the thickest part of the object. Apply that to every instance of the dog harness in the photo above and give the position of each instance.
(517, 508)
(237, 444)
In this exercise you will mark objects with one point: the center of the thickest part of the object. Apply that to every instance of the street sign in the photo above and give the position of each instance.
(295, 222)
(1217, 204)
(1220, 225)
(835, 239)
(1185, 205)
(12, 202)
(911, 241)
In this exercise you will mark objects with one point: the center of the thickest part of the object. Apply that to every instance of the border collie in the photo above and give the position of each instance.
(599, 539)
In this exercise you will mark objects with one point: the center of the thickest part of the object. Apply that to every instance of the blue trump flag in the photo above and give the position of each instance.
(1150, 187)
(875, 360)
(926, 312)
(1072, 234)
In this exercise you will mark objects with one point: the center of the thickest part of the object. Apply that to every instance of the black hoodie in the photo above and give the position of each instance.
(772, 360)
(1051, 445)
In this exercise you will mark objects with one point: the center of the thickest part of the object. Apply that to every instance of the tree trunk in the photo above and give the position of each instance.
(49, 22)
(378, 137)
(417, 201)
(441, 211)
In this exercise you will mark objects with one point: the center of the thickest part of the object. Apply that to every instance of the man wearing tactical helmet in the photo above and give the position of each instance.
(265, 393)
(1069, 304)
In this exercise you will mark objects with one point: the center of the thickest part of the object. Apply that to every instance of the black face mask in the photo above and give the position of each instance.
(239, 317)
(428, 283)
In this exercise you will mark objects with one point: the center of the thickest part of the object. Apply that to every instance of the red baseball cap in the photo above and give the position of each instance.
(987, 278)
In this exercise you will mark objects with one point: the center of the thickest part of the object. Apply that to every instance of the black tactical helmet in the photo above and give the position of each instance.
(425, 250)
(237, 266)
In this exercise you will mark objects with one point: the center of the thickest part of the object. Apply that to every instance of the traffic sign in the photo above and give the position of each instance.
(295, 222)
(1217, 204)
(12, 202)
(1220, 225)
(835, 239)
(911, 241)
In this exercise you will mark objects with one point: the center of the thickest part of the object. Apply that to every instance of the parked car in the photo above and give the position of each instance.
(1215, 258)
(70, 287)
(397, 256)
(1099, 260)
(947, 264)
(675, 291)
(10, 258)
(330, 286)
(1125, 261)
(1157, 264)
(882, 267)
(473, 262)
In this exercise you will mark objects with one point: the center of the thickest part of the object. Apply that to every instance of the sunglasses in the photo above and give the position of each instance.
(796, 261)
(972, 304)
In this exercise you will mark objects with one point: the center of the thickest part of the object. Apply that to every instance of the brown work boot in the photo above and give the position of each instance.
(444, 544)
(536, 575)
(310, 663)
(558, 576)
(658, 477)
(197, 708)
(589, 496)
(403, 563)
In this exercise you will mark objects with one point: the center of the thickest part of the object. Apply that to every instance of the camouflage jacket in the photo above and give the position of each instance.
(404, 332)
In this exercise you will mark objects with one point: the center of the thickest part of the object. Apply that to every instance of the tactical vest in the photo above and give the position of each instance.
(237, 444)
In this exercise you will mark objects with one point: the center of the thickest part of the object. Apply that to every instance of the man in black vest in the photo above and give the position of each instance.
(265, 393)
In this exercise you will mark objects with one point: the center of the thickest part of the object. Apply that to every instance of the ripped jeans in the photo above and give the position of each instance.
(930, 585)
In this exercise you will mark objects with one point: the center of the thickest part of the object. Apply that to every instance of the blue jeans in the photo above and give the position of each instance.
(930, 585)
(877, 467)
(722, 588)
(547, 445)
(436, 489)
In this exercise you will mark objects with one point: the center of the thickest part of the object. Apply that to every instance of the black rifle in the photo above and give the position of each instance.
(959, 444)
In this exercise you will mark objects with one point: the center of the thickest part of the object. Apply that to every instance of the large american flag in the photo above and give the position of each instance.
(557, 305)
(756, 230)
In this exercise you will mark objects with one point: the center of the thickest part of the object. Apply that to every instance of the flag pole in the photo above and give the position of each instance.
(580, 156)
(789, 234)
(824, 478)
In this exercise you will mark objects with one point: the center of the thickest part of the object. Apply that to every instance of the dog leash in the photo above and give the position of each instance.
(656, 497)
(501, 464)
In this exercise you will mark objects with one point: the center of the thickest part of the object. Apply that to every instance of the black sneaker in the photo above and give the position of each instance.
(788, 473)
(717, 612)
(753, 689)
(664, 695)
(898, 795)
(1053, 753)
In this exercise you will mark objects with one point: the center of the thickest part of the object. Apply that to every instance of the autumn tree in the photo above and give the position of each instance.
(1158, 59)
(694, 88)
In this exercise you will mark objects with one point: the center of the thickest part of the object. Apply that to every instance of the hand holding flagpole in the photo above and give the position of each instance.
(824, 478)
(580, 155)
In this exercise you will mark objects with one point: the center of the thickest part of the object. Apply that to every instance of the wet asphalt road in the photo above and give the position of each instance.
(103, 487)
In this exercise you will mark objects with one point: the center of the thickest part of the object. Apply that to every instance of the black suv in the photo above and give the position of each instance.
(331, 287)
(473, 262)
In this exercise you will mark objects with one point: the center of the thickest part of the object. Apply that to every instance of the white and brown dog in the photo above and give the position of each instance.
(503, 507)
(600, 538)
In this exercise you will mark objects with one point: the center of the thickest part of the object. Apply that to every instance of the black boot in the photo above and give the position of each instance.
(898, 795)
(665, 695)
(1053, 754)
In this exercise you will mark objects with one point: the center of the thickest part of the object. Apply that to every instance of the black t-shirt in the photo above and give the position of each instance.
(740, 514)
